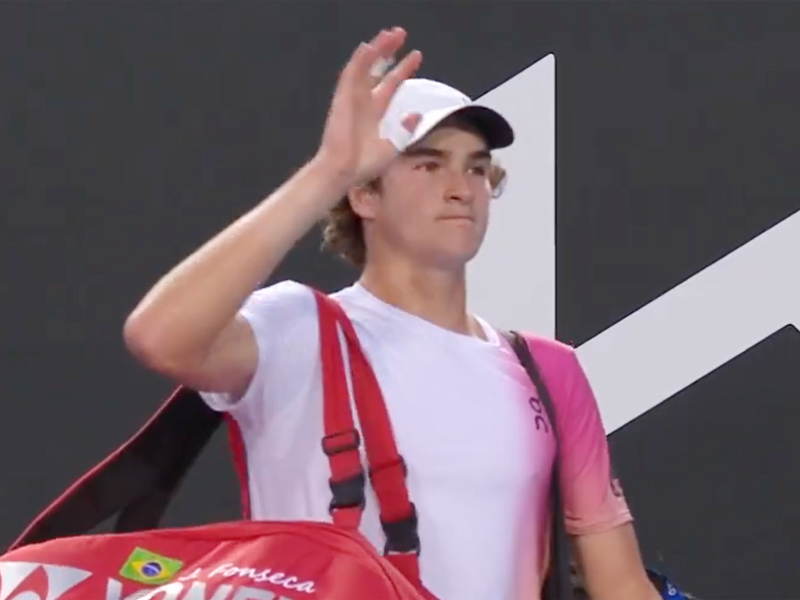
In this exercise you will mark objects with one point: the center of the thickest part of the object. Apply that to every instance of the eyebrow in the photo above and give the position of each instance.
(436, 153)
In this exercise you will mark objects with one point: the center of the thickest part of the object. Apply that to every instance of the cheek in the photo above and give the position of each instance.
(406, 216)
(483, 206)
(413, 203)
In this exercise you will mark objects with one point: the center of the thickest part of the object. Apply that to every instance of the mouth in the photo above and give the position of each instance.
(457, 218)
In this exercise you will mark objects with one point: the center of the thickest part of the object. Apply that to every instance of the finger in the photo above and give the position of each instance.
(383, 45)
(388, 86)
(387, 38)
(355, 81)
(379, 69)
(389, 41)
(365, 54)
(343, 91)
(350, 66)
(386, 45)
(349, 79)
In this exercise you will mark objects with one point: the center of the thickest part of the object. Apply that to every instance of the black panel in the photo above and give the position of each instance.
(676, 129)
(712, 475)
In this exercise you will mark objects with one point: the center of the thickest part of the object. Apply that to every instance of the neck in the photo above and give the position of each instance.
(437, 296)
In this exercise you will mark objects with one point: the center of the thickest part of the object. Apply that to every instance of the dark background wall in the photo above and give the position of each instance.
(133, 131)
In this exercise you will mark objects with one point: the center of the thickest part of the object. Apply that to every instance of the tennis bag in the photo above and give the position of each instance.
(55, 558)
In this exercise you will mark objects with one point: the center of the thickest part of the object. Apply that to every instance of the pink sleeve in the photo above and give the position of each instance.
(593, 500)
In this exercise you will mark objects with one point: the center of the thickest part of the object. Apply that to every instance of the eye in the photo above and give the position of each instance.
(427, 166)
(480, 170)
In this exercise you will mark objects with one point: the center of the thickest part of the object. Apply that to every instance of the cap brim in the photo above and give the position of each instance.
(492, 125)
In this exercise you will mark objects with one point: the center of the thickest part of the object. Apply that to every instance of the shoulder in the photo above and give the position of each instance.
(562, 371)
(283, 320)
(282, 293)
(551, 352)
(285, 303)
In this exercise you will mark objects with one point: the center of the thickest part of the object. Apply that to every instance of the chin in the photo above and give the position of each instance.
(450, 259)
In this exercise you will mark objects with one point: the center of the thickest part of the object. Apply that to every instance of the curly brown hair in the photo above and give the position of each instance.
(343, 230)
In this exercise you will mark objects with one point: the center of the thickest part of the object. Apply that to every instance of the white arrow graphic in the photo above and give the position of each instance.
(663, 347)
(518, 258)
(63, 579)
(697, 326)
(59, 579)
(12, 574)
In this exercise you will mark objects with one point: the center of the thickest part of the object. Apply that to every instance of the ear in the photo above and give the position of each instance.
(362, 200)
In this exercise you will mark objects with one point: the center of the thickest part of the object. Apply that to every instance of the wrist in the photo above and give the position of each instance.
(332, 173)
(311, 192)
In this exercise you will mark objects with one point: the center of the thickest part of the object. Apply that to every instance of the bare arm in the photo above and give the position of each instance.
(186, 327)
(611, 565)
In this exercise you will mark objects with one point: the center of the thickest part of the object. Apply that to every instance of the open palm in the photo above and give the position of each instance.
(351, 138)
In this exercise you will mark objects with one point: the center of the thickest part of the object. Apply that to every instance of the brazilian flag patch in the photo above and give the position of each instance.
(148, 567)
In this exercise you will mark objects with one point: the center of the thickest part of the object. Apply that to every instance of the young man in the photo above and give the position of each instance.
(413, 159)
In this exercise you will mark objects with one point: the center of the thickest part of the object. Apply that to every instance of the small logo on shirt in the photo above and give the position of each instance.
(541, 422)
(616, 487)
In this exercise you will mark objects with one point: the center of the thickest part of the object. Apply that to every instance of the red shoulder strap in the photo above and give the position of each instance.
(387, 470)
(342, 440)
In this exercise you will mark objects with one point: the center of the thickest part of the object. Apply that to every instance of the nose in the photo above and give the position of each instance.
(458, 186)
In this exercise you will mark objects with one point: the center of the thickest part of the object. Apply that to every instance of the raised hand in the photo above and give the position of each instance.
(351, 142)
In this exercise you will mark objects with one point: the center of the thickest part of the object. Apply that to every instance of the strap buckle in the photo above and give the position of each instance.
(402, 536)
(348, 493)
(341, 441)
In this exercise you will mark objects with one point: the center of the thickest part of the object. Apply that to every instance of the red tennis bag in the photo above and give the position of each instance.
(57, 559)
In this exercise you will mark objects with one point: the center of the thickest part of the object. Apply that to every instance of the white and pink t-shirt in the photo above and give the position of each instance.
(479, 456)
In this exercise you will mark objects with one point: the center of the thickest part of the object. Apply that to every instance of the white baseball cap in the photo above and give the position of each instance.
(436, 101)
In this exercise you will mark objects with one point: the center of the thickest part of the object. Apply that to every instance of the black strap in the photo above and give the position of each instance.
(557, 584)
(137, 480)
